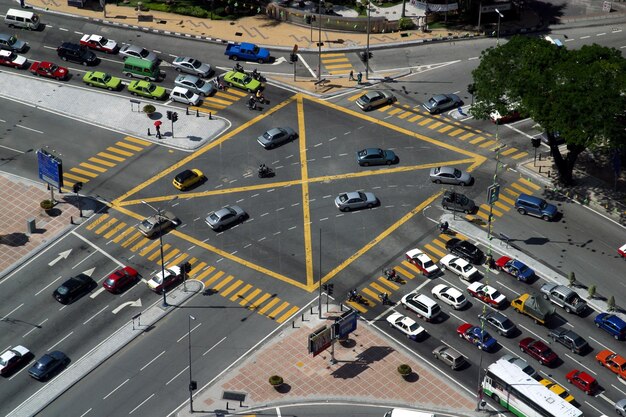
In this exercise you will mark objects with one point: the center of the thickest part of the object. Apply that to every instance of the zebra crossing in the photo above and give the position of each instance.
(336, 63)
(220, 100)
(215, 280)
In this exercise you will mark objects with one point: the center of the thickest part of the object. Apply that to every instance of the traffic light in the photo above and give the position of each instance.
(365, 56)
(169, 115)
(330, 288)
(493, 192)
(174, 116)
(535, 142)
(77, 187)
(308, 19)
(293, 58)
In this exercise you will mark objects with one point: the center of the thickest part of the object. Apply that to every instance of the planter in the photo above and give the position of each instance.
(405, 370)
(276, 381)
(47, 205)
(149, 109)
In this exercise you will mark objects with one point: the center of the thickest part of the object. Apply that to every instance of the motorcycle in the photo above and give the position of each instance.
(265, 172)
(443, 227)
(357, 298)
(384, 298)
(251, 104)
(391, 275)
(257, 76)
(238, 68)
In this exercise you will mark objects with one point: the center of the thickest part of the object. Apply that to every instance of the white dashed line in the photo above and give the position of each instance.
(292, 227)
(63, 29)
(264, 214)
(326, 196)
(326, 157)
(247, 246)
(232, 253)
(255, 195)
(601, 34)
(584, 37)
(332, 139)
(295, 204)
(318, 144)
(277, 233)
(240, 200)
(347, 133)
(196, 219)
(270, 190)
(325, 218)
(311, 200)
(290, 156)
(260, 240)
(343, 154)
(280, 208)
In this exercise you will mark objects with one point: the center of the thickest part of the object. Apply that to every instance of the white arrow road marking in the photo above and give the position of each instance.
(89, 272)
(62, 255)
(279, 60)
(128, 303)
(95, 294)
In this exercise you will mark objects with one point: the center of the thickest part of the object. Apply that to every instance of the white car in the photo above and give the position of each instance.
(159, 281)
(13, 359)
(406, 325)
(422, 262)
(185, 96)
(449, 295)
(100, 43)
(487, 294)
(461, 267)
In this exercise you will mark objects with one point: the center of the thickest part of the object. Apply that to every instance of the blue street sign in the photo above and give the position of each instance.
(50, 169)
(345, 324)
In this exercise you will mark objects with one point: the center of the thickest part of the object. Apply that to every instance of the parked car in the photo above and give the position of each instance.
(461, 267)
(449, 295)
(611, 360)
(76, 53)
(465, 250)
(503, 325)
(48, 69)
(487, 294)
(11, 43)
(535, 206)
(422, 262)
(406, 325)
(450, 175)
(276, 137)
(538, 350)
(557, 389)
(375, 156)
(242, 80)
(620, 407)
(195, 84)
(355, 200)
(11, 59)
(611, 324)
(441, 102)
(449, 356)
(48, 364)
(457, 202)
(153, 225)
(521, 364)
(120, 279)
(139, 52)
(582, 380)
(166, 279)
(375, 98)
(102, 80)
(185, 96)
(146, 89)
(187, 178)
(509, 117)
(13, 359)
(225, 217)
(515, 268)
(100, 43)
(74, 288)
(476, 336)
(192, 66)
(569, 339)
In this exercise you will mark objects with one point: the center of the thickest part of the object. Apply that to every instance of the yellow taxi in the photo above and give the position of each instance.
(187, 179)
(558, 390)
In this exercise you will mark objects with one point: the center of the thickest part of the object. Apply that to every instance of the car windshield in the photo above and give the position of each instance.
(506, 323)
(432, 102)
(104, 41)
(109, 281)
(457, 173)
(343, 198)
(247, 80)
(466, 268)
(195, 63)
(365, 98)
(199, 83)
(63, 290)
(214, 217)
(157, 279)
(362, 196)
(579, 341)
(12, 40)
(494, 294)
(144, 53)
(413, 327)
(53, 67)
(428, 263)
(151, 88)
(106, 78)
(147, 223)
(543, 205)
(188, 94)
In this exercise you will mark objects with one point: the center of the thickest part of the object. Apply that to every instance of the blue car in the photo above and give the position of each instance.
(515, 268)
(611, 324)
(476, 336)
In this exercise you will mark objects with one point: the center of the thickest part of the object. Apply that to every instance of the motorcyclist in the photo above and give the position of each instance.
(255, 74)
(353, 294)
(443, 227)
(252, 102)
(390, 273)
(384, 297)
(259, 95)
(263, 169)
(238, 67)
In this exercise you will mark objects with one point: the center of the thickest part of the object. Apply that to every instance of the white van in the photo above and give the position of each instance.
(403, 412)
(425, 307)
(22, 19)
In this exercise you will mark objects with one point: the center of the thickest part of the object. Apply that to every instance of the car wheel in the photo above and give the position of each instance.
(436, 296)
(462, 184)
(58, 78)
(64, 58)
(234, 57)
(155, 98)
(388, 162)
(496, 398)
(127, 74)
(545, 296)
(461, 336)
(230, 84)
(365, 164)
(110, 88)
(616, 337)
(568, 310)
(598, 325)
(546, 218)
(369, 206)
(345, 209)
(249, 90)
(522, 349)
(437, 181)
(84, 63)
(368, 108)
(521, 211)
(260, 61)
(480, 347)
(179, 70)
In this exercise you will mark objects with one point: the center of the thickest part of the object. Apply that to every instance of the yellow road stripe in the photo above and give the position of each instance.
(354, 97)
(192, 261)
(105, 226)
(231, 288)
(214, 278)
(405, 115)
(435, 125)
(306, 211)
(196, 268)
(432, 249)
(456, 132)
(330, 55)
(388, 283)
(406, 272)
(278, 309)
(269, 305)
(357, 306)
(179, 259)
(520, 188)
(102, 162)
(395, 110)
(288, 314)
(227, 96)
(345, 66)
(477, 140)
(488, 143)
(416, 117)
(83, 172)
(502, 206)
(223, 282)
(334, 60)
(236, 92)
(512, 192)
(131, 240)
(148, 248)
(339, 72)
(119, 151)
(138, 141)
(211, 107)
(93, 167)
(113, 231)
(218, 101)
(157, 253)
(129, 146)
(507, 199)
(169, 256)
(140, 244)
(240, 293)
(520, 155)
(123, 234)
(245, 300)
(445, 129)
(377, 287)
(466, 136)
(372, 294)
(260, 301)
(530, 184)
(485, 216)
(95, 223)
(508, 151)
(493, 210)
(439, 243)
(425, 122)
(111, 157)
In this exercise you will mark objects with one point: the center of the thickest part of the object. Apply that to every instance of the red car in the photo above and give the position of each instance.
(11, 59)
(100, 43)
(120, 279)
(612, 361)
(539, 350)
(622, 251)
(582, 380)
(50, 70)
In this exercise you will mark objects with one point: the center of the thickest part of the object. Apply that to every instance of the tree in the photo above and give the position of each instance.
(581, 94)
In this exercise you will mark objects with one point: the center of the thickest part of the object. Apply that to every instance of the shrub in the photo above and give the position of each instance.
(149, 109)
(405, 24)
(195, 11)
(47, 204)
(592, 291)
(404, 370)
(276, 380)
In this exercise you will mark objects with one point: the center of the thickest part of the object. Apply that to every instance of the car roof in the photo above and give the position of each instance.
(180, 89)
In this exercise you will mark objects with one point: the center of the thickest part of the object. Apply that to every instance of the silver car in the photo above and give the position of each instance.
(498, 321)
(195, 84)
(276, 136)
(355, 200)
(184, 95)
(224, 217)
(138, 52)
(191, 66)
(153, 225)
(440, 102)
(11, 43)
(375, 98)
(449, 356)
(449, 175)
(620, 407)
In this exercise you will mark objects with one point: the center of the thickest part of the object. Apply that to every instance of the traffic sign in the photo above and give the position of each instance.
(493, 193)
(50, 168)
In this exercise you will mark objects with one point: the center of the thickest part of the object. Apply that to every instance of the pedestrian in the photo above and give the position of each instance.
(351, 76)
(359, 77)
(22, 5)
(158, 130)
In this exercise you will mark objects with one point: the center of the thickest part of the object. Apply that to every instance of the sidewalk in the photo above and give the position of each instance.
(365, 373)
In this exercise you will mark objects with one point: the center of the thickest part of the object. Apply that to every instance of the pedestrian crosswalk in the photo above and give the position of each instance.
(219, 100)
(228, 286)
(336, 63)
(436, 248)
(447, 126)
(103, 161)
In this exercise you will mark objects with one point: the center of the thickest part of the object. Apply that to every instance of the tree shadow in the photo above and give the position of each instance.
(14, 239)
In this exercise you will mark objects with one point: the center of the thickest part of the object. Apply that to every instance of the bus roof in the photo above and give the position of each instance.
(533, 390)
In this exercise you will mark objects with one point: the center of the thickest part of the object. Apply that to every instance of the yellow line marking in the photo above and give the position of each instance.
(211, 280)
(83, 172)
(502, 206)
(113, 231)
(511, 192)
(240, 293)
(227, 96)
(466, 136)
(339, 72)
(439, 243)
(192, 261)
(456, 132)
(435, 125)
(406, 272)
(520, 155)
(388, 283)
(140, 244)
(508, 151)
(445, 128)
(249, 297)
(477, 140)
(269, 305)
(493, 210)
(432, 249)
(95, 223)
(334, 60)
(233, 90)
(416, 117)
(102, 162)
(148, 248)
(112, 157)
(93, 167)
(203, 110)
(119, 151)
(217, 101)
(260, 301)
(132, 239)
(306, 212)
(520, 188)
(346, 66)
(210, 107)
(425, 122)
(507, 199)
(231, 288)
(530, 184)
(179, 259)
(405, 115)
(377, 287)
(169, 256)
(485, 216)
(394, 110)
(123, 234)
(330, 55)
(354, 97)
(288, 314)
(223, 282)
(486, 144)
(372, 294)
(138, 141)
(108, 224)
(357, 306)
(278, 309)
(157, 253)
(196, 268)
(129, 146)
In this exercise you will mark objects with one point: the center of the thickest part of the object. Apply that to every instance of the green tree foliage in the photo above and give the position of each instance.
(580, 93)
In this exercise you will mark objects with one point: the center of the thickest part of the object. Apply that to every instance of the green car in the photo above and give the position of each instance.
(102, 80)
(242, 80)
(146, 89)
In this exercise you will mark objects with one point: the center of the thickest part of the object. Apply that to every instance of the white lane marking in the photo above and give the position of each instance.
(584, 37)
(617, 388)
(31, 129)
(46, 287)
(95, 294)
(84, 259)
(64, 30)
(303, 62)
(177, 375)
(86, 412)
(278, 414)
(97, 248)
(142, 403)
(601, 34)
(11, 312)
(35, 327)
(94, 316)
(62, 255)
(214, 346)
(155, 358)
(11, 149)
(116, 388)
(53, 346)
(473, 58)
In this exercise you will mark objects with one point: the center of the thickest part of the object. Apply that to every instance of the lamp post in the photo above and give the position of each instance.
(319, 42)
(498, 33)
(367, 49)
(159, 216)
(192, 384)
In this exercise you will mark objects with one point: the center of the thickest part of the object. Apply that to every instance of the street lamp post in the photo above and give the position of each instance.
(498, 33)
(319, 42)
(192, 384)
(367, 49)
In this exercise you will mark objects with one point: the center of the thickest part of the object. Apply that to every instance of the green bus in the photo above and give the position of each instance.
(141, 68)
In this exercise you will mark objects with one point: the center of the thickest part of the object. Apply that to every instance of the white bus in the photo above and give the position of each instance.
(524, 396)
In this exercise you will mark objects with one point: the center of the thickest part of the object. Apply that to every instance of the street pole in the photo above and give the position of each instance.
(319, 44)
(480, 14)
(319, 275)
(367, 49)
(190, 379)
(498, 34)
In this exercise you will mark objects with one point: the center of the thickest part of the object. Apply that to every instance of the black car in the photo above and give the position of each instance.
(48, 364)
(74, 288)
(457, 202)
(465, 250)
(76, 53)
(569, 339)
